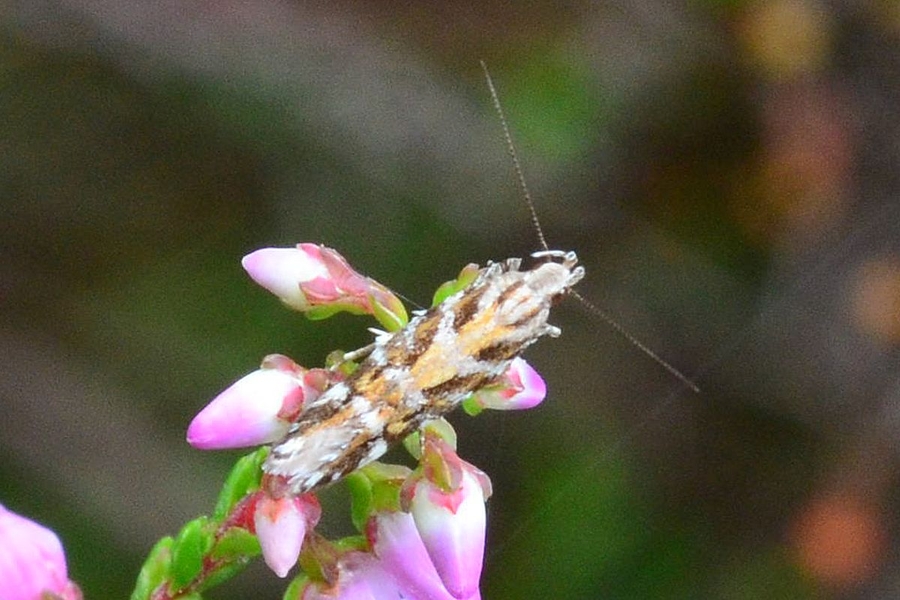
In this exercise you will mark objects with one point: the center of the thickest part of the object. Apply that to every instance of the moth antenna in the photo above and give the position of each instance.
(511, 148)
(636, 342)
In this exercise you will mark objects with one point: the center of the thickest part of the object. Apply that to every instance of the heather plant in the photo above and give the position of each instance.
(421, 530)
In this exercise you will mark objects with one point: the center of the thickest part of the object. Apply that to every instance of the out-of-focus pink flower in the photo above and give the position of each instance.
(521, 387)
(446, 500)
(258, 408)
(281, 525)
(32, 561)
(317, 280)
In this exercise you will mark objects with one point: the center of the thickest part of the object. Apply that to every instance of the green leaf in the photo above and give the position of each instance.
(465, 278)
(413, 444)
(443, 429)
(243, 479)
(297, 587)
(320, 313)
(391, 320)
(193, 542)
(324, 311)
(471, 406)
(386, 495)
(235, 544)
(360, 487)
(154, 570)
(223, 573)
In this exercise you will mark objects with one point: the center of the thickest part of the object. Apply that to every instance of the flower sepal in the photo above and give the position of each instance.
(436, 427)
(466, 276)
(320, 560)
(375, 488)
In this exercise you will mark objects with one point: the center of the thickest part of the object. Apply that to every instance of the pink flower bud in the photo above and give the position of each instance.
(256, 409)
(283, 271)
(396, 542)
(316, 279)
(446, 500)
(32, 562)
(281, 525)
(521, 387)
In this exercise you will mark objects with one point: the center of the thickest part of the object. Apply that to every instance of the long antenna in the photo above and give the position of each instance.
(636, 342)
(543, 241)
(511, 148)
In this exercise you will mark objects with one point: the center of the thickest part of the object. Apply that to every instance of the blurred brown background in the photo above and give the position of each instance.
(728, 171)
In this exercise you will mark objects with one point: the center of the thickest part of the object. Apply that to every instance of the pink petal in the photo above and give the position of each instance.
(525, 388)
(452, 528)
(32, 561)
(281, 525)
(247, 412)
(282, 270)
(400, 549)
(362, 577)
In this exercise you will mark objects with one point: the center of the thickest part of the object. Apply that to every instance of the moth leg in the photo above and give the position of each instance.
(359, 353)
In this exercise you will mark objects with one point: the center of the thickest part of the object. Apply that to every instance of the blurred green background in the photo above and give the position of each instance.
(728, 171)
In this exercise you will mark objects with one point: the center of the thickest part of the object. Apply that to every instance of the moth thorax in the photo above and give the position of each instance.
(552, 279)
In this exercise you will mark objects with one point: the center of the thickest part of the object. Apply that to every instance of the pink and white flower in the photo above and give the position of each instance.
(317, 280)
(258, 408)
(281, 525)
(398, 546)
(431, 549)
(446, 501)
(32, 561)
(521, 387)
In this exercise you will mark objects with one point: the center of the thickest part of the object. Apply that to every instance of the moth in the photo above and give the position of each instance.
(429, 367)
(424, 370)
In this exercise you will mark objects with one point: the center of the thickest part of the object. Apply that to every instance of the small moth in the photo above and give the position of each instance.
(424, 370)
(429, 367)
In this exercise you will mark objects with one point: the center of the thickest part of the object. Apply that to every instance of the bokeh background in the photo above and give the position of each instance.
(728, 171)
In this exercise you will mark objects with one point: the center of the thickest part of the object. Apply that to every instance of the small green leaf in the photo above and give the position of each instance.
(360, 487)
(413, 444)
(471, 406)
(223, 573)
(465, 278)
(191, 545)
(324, 311)
(154, 570)
(442, 429)
(393, 318)
(374, 488)
(320, 313)
(297, 587)
(243, 479)
(386, 495)
(234, 544)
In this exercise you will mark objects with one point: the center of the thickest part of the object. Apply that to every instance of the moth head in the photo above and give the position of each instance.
(556, 273)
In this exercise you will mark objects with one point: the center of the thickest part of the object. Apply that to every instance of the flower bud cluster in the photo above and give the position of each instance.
(423, 530)
(430, 546)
